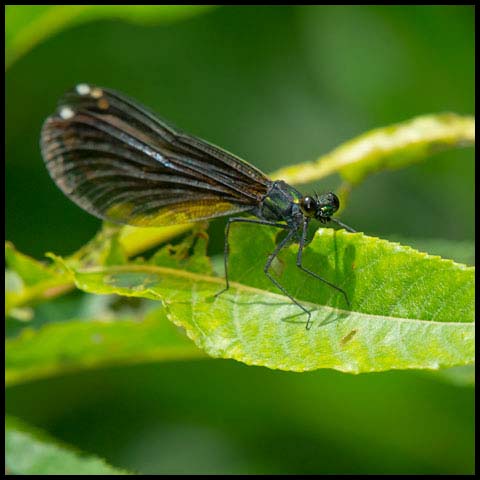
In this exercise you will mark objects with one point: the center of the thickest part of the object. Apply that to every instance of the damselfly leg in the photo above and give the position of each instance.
(226, 251)
(306, 270)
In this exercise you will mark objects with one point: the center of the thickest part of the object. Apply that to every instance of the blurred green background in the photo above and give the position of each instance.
(276, 86)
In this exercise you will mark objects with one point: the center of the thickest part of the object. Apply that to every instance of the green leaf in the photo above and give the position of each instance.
(189, 254)
(460, 251)
(29, 270)
(398, 297)
(29, 451)
(104, 334)
(29, 281)
(62, 347)
(408, 309)
(119, 242)
(28, 25)
(387, 148)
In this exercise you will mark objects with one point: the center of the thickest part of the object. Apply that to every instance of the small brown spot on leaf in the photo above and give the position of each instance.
(348, 337)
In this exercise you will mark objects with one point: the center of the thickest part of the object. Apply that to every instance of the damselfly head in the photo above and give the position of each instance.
(321, 207)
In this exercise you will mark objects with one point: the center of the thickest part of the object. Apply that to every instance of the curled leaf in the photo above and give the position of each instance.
(387, 148)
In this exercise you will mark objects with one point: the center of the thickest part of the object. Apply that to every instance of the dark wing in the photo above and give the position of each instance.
(118, 161)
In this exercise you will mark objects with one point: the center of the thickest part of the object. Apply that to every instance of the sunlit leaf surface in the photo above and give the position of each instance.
(408, 309)
(387, 148)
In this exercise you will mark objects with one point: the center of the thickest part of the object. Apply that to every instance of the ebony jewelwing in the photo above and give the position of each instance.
(120, 162)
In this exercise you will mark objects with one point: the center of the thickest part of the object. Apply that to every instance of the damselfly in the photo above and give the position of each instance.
(120, 162)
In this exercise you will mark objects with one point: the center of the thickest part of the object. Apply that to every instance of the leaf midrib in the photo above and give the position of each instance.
(247, 288)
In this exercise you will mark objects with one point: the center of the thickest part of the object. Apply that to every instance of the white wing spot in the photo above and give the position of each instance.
(66, 113)
(83, 89)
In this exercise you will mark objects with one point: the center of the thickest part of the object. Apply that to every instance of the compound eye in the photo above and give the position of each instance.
(308, 205)
(335, 202)
(328, 204)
